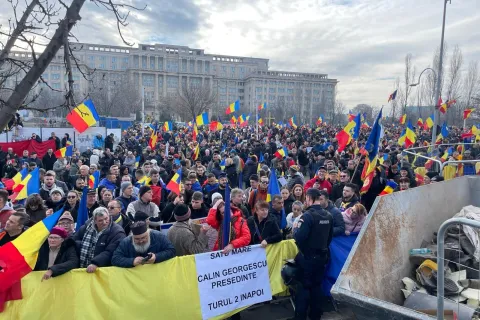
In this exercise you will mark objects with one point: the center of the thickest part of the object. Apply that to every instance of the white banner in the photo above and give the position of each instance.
(230, 281)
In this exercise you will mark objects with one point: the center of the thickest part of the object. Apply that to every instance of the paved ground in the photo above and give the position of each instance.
(283, 310)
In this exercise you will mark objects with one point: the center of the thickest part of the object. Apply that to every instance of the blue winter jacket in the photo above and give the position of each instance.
(159, 245)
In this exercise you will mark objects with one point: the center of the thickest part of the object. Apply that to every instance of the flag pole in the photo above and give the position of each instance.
(143, 111)
(256, 121)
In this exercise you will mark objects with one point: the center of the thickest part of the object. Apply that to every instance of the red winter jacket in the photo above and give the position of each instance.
(323, 184)
(242, 231)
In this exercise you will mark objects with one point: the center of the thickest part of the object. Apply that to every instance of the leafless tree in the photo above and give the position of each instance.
(409, 78)
(452, 85)
(338, 112)
(395, 103)
(114, 94)
(366, 110)
(471, 85)
(194, 99)
(32, 30)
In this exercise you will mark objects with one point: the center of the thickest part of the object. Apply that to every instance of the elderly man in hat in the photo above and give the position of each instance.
(145, 204)
(296, 177)
(66, 222)
(143, 246)
(187, 238)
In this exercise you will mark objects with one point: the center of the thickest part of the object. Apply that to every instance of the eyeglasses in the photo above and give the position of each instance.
(64, 224)
(111, 208)
(264, 182)
(343, 176)
(71, 197)
(188, 184)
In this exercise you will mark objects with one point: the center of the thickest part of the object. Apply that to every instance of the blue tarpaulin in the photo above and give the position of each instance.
(339, 250)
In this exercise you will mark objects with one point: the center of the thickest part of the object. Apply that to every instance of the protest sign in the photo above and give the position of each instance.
(282, 181)
(230, 281)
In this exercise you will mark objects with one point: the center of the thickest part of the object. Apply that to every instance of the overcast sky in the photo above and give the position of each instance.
(361, 43)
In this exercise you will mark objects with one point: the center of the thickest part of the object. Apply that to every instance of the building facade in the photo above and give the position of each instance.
(162, 70)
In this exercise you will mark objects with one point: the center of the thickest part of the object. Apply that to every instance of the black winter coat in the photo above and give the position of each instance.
(67, 258)
(266, 230)
(106, 244)
(288, 203)
(232, 175)
(249, 169)
(48, 161)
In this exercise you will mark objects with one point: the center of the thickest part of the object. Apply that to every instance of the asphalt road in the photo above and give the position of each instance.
(281, 310)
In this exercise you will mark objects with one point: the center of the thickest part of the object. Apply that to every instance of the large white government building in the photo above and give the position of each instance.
(163, 69)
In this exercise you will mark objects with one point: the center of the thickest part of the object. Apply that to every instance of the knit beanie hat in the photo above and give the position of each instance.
(143, 190)
(125, 185)
(59, 232)
(181, 212)
(58, 190)
(216, 195)
(67, 215)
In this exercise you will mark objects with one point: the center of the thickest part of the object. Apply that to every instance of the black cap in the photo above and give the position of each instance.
(181, 212)
(138, 228)
(140, 216)
(313, 193)
(143, 190)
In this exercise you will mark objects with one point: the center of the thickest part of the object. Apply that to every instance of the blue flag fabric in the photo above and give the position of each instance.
(444, 130)
(274, 189)
(226, 222)
(82, 215)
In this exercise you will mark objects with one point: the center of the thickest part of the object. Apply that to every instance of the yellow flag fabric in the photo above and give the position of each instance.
(449, 172)
(162, 291)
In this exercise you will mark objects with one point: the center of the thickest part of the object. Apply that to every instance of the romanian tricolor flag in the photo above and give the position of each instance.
(443, 133)
(137, 161)
(262, 106)
(64, 152)
(223, 164)
(389, 188)
(202, 119)
(319, 121)
(410, 136)
(292, 122)
(144, 181)
(403, 119)
(444, 106)
(392, 96)
(195, 132)
(153, 140)
(467, 113)
(215, 126)
(430, 121)
(419, 178)
(351, 117)
(174, 184)
(260, 121)
(382, 159)
(401, 139)
(420, 122)
(196, 152)
(94, 179)
(351, 130)
(168, 126)
(242, 120)
(281, 153)
(83, 116)
(11, 184)
(235, 106)
(272, 190)
(371, 160)
(19, 257)
(28, 186)
(447, 154)
(233, 120)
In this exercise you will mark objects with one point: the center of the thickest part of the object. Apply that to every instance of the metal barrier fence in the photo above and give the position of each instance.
(441, 261)
(439, 164)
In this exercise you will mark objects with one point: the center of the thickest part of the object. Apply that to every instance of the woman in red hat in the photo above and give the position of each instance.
(57, 255)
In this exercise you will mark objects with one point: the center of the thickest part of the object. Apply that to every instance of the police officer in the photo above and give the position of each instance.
(313, 237)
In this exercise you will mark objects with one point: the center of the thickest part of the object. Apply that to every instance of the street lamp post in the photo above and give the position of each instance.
(438, 77)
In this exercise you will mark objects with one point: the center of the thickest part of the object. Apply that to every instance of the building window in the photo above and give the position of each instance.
(172, 82)
(192, 66)
(273, 83)
(258, 89)
(135, 61)
(56, 85)
(207, 67)
(290, 91)
(199, 66)
(144, 62)
(160, 82)
(259, 97)
(172, 66)
(271, 90)
(152, 63)
(55, 76)
(148, 80)
(271, 97)
(45, 76)
(281, 90)
(232, 90)
(184, 65)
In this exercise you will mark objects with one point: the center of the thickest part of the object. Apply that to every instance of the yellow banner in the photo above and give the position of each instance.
(167, 290)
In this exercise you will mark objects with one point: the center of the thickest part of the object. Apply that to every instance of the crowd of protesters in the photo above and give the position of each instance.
(131, 203)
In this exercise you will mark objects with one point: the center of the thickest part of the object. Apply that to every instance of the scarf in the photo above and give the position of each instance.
(89, 241)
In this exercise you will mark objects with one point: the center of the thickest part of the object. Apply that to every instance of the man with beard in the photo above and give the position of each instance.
(143, 246)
